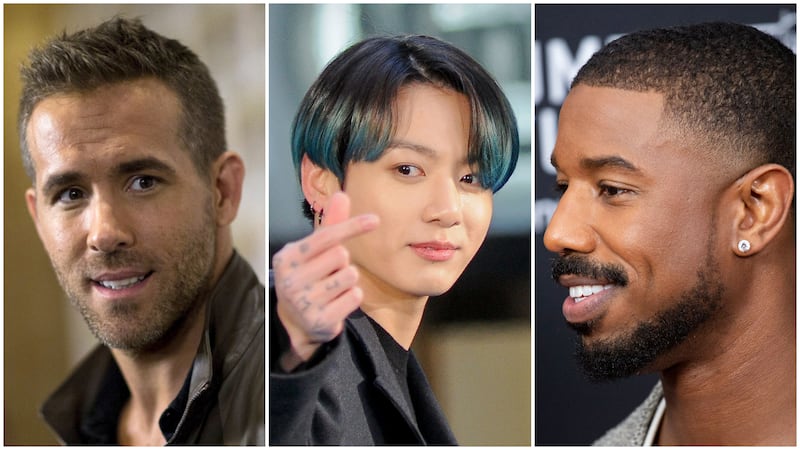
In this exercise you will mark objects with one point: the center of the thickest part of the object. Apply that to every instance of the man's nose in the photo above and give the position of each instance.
(570, 227)
(109, 227)
(444, 203)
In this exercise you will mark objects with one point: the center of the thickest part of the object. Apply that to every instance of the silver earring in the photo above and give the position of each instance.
(743, 246)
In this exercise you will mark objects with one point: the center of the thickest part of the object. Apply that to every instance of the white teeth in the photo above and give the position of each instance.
(579, 293)
(121, 284)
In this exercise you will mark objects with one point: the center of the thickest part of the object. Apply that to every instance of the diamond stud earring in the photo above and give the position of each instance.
(744, 246)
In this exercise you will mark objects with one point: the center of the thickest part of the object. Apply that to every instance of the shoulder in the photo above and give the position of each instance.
(632, 430)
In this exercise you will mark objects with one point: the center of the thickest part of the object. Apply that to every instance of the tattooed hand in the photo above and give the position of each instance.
(315, 282)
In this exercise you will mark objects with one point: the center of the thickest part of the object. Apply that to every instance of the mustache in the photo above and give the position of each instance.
(585, 267)
(116, 260)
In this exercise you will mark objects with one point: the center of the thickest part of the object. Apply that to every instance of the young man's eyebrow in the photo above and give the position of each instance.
(61, 179)
(425, 150)
(419, 148)
(71, 177)
(616, 162)
(140, 164)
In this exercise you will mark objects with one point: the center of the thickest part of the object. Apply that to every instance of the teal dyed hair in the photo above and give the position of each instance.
(346, 115)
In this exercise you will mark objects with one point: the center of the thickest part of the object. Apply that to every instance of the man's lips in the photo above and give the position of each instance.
(434, 250)
(120, 280)
(588, 297)
(582, 292)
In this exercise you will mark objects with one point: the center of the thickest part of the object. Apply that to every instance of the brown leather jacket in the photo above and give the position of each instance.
(226, 390)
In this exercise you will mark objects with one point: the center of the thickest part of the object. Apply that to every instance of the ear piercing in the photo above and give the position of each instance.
(318, 215)
(743, 246)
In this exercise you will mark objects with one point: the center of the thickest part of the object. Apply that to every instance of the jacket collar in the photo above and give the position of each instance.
(229, 330)
(430, 420)
(385, 378)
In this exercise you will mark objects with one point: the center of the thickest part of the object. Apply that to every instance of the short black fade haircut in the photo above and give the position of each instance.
(732, 85)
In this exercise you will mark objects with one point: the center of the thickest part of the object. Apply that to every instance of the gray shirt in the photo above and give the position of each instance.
(632, 431)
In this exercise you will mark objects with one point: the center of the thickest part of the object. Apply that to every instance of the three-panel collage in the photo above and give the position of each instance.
(479, 224)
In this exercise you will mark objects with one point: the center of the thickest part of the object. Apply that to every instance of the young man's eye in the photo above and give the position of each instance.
(70, 195)
(408, 170)
(474, 181)
(612, 191)
(143, 183)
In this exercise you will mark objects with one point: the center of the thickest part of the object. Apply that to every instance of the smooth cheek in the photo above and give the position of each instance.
(394, 212)
(477, 212)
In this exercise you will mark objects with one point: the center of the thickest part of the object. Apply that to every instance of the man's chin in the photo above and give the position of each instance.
(601, 363)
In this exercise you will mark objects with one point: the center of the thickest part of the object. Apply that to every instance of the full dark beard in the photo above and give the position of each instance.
(636, 350)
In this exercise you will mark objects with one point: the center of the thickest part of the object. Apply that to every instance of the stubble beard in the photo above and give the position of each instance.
(639, 348)
(134, 329)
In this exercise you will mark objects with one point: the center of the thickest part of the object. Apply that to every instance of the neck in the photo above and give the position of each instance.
(154, 380)
(399, 313)
(741, 389)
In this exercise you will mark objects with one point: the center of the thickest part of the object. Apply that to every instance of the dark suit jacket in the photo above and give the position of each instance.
(348, 394)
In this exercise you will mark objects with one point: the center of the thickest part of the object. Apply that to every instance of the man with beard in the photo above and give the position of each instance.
(675, 231)
(122, 134)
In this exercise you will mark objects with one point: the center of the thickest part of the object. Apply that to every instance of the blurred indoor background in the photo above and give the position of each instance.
(43, 336)
(475, 341)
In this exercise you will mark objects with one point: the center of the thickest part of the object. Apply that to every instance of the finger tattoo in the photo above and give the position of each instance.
(318, 331)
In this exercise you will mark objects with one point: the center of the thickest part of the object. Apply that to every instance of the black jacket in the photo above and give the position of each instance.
(350, 395)
(226, 390)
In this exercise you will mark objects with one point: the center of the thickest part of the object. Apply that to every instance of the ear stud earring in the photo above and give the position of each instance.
(743, 246)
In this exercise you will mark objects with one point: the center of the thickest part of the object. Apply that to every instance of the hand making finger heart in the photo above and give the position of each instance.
(315, 282)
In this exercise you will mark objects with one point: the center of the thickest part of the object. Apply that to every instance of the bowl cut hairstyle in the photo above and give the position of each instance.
(122, 50)
(347, 114)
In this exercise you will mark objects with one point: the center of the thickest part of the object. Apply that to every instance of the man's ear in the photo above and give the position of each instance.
(30, 200)
(318, 184)
(764, 202)
(228, 172)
